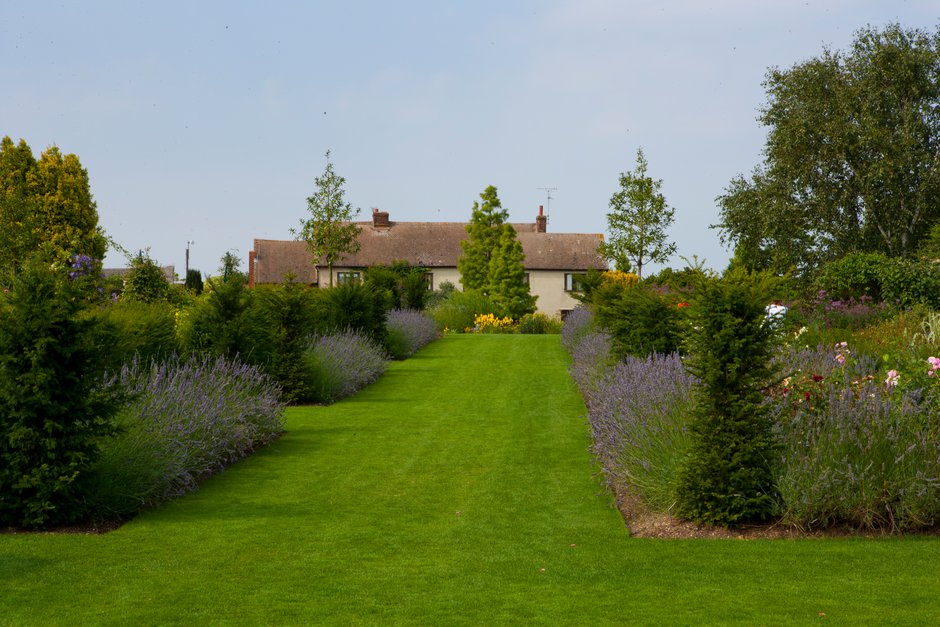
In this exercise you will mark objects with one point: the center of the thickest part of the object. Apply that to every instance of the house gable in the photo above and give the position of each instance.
(432, 245)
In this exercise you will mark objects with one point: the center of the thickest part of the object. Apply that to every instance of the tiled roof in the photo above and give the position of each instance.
(427, 244)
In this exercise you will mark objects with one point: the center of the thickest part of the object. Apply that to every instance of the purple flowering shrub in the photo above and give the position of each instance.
(591, 361)
(578, 322)
(858, 440)
(640, 415)
(858, 446)
(408, 331)
(638, 410)
(341, 364)
(188, 418)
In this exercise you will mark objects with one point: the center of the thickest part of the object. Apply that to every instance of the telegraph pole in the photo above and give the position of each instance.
(187, 256)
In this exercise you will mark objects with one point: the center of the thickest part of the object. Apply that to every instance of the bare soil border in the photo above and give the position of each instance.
(646, 523)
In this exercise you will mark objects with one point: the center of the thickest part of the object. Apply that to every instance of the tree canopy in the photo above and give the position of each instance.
(850, 162)
(637, 221)
(329, 231)
(492, 261)
(45, 205)
(506, 280)
(486, 220)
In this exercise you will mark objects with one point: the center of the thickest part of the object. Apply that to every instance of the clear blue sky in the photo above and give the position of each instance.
(208, 121)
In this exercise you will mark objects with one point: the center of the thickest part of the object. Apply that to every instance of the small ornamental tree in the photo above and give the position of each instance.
(506, 280)
(484, 229)
(45, 204)
(329, 231)
(637, 222)
(194, 281)
(54, 408)
(146, 282)
(728, 478)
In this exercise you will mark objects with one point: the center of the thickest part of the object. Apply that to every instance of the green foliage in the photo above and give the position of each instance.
(45, 206)
(53, 407)
(225, 322)
(145, 330)
(538, 324)
(854, 275)
(194, 281)
(907, 283)
(405, 286)
(329, 231)
(492, 261)
(900, 282)
(641, 319)
(457, 312)
(506, 278)
(728, 477)
(355, 306)
(850, 156)
(146, 282)
(443, 291)
(484, 229)
(637, 222)
(291, 312)
(677, 280)
(929, 247)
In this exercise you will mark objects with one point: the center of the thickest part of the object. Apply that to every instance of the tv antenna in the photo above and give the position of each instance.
(548, 198)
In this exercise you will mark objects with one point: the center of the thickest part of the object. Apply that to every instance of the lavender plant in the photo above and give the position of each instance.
(189, 418)
(342, 363)
(408, 331)
(857, 448)
(578, 322)
(591, 361)
(858, 445)
(640, 420)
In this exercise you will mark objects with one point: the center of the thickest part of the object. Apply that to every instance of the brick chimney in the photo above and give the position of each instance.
(541, 221)
(380, 218)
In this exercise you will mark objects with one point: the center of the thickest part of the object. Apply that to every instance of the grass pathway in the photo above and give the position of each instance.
(458, 489)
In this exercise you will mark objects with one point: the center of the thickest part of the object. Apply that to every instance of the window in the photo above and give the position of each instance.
(346, 278)
(572, 283)
(429, 280)
(526, 279)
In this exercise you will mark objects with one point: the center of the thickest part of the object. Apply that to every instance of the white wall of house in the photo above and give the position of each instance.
(548, 285)
(446, 274)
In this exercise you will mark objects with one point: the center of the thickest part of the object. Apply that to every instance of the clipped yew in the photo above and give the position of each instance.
(728, 477)
(54, 408)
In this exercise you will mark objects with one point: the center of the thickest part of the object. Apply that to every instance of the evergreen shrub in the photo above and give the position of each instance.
(355, 306)
(641, 319)
(146, 282)
(54, 408)
(728, 477)
(144, 330)
(225, 320)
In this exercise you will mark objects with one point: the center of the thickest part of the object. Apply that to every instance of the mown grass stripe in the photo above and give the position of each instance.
(439, 495)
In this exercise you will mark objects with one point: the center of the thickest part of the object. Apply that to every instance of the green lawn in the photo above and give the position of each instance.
(457, 489)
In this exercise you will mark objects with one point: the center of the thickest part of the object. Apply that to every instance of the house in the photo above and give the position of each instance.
(169, 273)
(552, 260)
